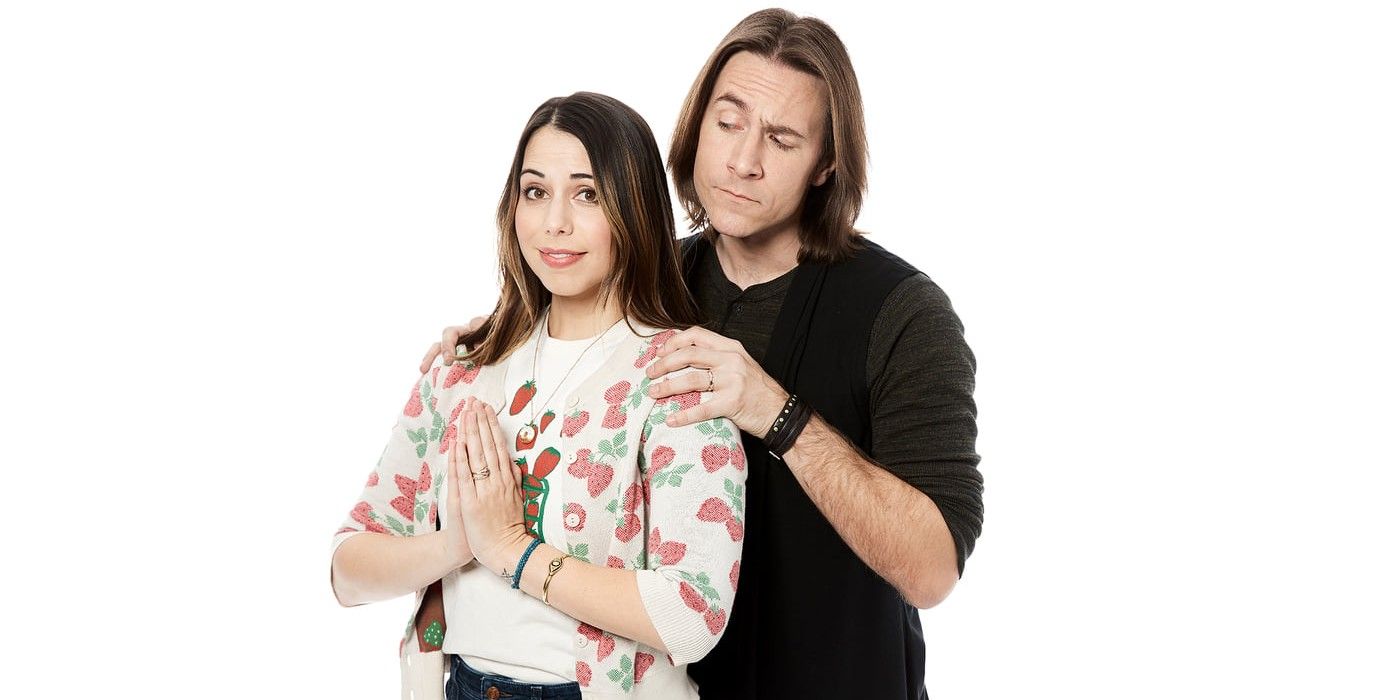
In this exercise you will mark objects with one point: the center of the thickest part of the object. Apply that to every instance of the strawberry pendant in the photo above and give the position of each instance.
(522, 396)
(525, 438)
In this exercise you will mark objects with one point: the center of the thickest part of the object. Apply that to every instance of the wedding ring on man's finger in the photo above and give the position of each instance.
(483, 474)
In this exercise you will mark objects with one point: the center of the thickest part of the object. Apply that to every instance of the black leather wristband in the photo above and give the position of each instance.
(787, 426)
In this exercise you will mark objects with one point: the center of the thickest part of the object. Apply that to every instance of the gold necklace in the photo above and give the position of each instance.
(525, 437)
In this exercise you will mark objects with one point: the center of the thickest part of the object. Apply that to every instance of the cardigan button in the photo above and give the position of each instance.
(573, 400)
(580, 641)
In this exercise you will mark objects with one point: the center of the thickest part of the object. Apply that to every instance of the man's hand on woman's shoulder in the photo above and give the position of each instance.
(448, 345)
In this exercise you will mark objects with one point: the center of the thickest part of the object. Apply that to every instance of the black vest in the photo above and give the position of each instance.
(810, 619)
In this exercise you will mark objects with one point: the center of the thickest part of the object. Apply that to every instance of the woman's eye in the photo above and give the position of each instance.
(532, 192)
(780, 144)
(588, 195)
(726, 126)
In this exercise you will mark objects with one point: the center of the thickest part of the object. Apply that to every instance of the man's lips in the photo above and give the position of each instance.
(736, 195)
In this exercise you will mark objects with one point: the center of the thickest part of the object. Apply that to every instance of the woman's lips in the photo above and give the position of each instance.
(560, 260)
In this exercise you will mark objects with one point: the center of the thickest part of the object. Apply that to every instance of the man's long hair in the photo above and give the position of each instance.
(808, 45)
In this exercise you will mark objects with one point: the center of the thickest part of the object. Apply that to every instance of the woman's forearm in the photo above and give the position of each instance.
(604, 597)
(373, 566)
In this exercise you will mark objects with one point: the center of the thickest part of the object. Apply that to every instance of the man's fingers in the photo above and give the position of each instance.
(699, 358)
(427, 362)
(698, 336)
(695, 380)
(448, 345)
(694, 414)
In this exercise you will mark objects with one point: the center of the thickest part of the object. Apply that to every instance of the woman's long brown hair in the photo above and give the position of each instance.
(631, 183)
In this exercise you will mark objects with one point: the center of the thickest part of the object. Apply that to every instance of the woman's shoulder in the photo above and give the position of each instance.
(647, 341)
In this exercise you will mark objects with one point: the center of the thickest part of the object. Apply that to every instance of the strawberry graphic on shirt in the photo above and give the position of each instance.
(460, 373)
(404, 506)
(606, 642)
(660, 457)
(669, 553)
(615, 418)
(450, 433)
(689, 399)
(579, 465)
(692, 599)
(715, 457)
(643, 662)
(597, 474)
(414, 407)
(714, 510)
(714, 620)
(535, 488)
(363, 515)
(573, 423)
(545, 420)
(617, 393)
(575, 517)
(406, 503)
(545, 463)
(628, 527)
(522, 396)
(649, 353)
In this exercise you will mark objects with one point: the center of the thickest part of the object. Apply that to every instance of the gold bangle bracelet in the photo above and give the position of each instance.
(554, 566)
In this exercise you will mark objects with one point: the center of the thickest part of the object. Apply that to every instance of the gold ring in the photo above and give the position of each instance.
(483, 474)
(712, 379)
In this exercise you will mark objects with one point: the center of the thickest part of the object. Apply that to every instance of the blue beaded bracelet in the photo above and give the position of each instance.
(520, 568)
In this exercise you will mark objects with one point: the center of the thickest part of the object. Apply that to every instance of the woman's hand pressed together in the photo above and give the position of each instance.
(486, 485)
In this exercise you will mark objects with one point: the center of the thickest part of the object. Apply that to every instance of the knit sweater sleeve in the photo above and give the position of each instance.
(923, 417)
(693, 479)
(400, 496)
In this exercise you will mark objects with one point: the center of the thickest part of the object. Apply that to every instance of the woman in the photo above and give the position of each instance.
(585, 547)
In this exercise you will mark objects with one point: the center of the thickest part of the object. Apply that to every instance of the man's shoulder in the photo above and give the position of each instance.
(872, 260)
(915, 289)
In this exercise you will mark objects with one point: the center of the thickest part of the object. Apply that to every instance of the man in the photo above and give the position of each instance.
(845, 367)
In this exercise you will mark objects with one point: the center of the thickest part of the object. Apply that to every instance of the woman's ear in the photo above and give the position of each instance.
(819, 178)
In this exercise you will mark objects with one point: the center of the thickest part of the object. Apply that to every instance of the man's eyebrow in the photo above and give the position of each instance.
(573, 176)
(779, 129)
(731, 97)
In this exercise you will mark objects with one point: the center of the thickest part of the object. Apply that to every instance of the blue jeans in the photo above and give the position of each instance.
(467, 683)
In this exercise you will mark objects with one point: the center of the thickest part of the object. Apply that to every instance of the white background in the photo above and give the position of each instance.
(230, 230)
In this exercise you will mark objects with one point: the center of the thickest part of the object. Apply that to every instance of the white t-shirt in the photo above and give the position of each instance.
(495, 628)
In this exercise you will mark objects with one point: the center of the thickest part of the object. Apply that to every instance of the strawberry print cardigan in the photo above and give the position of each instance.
(666, 502)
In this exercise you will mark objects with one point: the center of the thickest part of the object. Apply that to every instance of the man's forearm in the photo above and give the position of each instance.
(894, 528)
